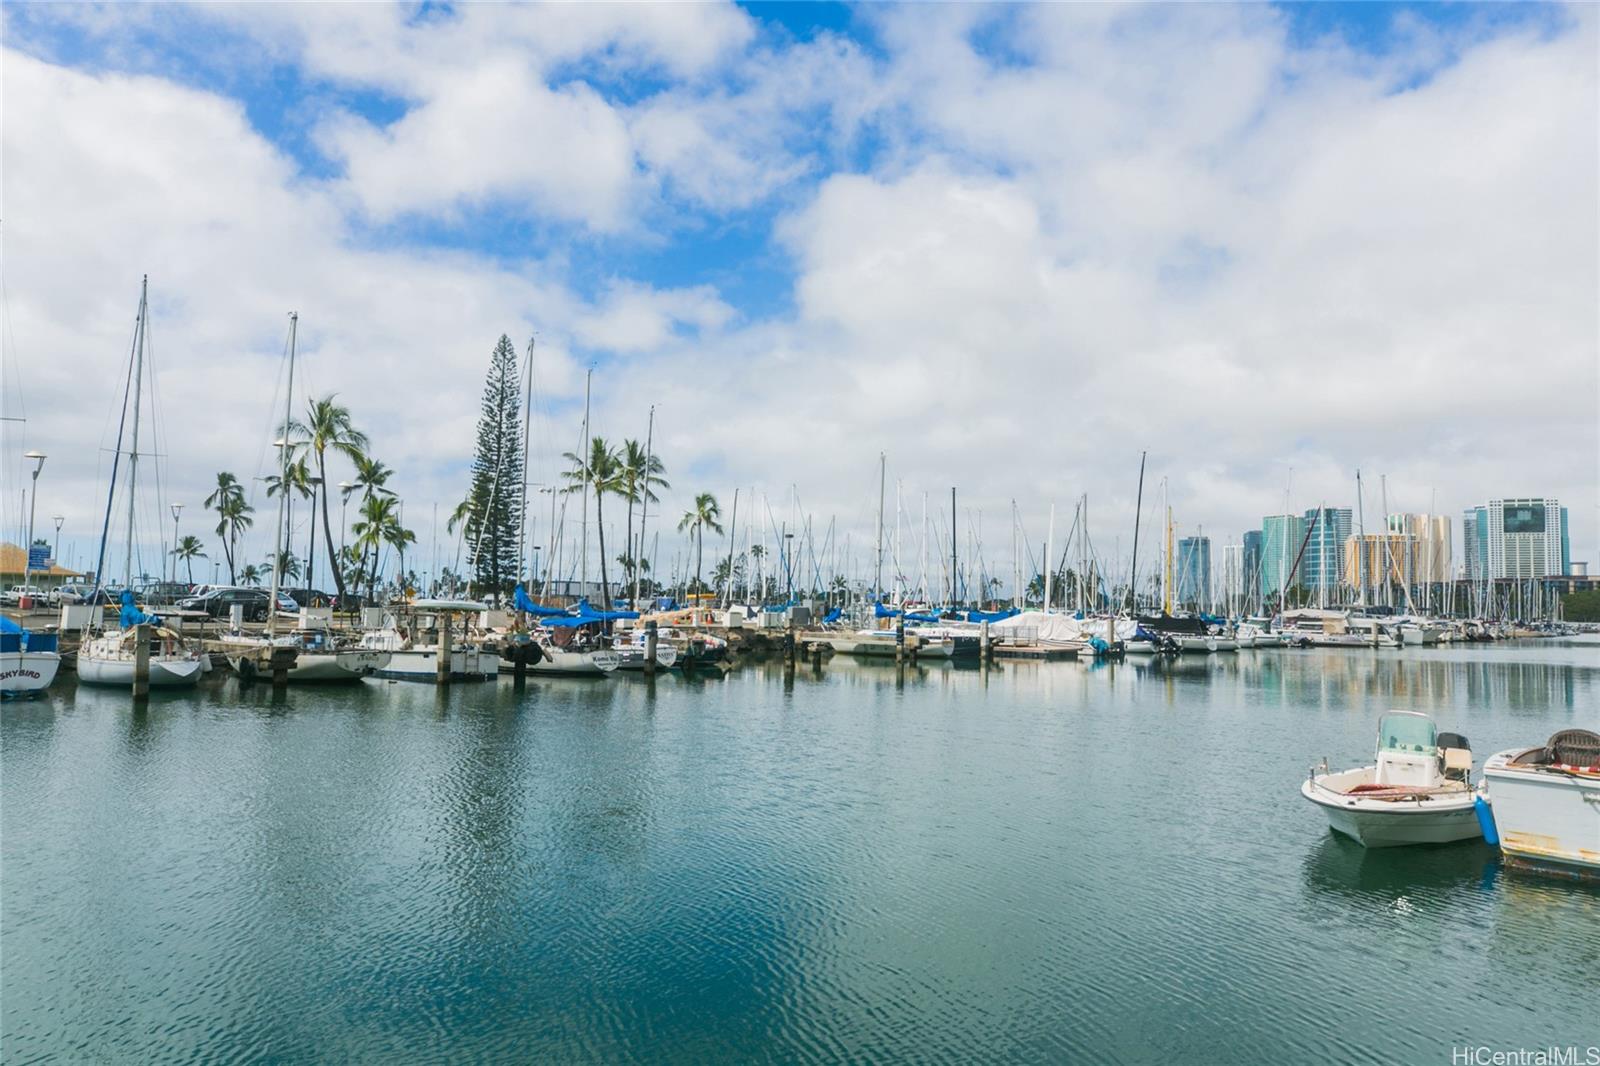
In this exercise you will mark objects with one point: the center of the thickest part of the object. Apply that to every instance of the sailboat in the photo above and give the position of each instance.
(318, 657)
(109, 658)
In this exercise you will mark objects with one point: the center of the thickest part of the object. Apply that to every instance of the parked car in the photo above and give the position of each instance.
(12, 597)
(311, 598)
(218, 603)
(78, 592)
(162, 593)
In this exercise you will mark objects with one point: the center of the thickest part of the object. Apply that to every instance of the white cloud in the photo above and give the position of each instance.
(1104, 230)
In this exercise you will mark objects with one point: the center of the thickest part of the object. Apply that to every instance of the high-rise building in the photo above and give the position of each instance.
(1431, 534)
(1525, 538)
(1323, 561)
(1250, 571)
(1379, 562)
(1475, 543)
(1566, 545)
(1194, 572)
(1281, 536)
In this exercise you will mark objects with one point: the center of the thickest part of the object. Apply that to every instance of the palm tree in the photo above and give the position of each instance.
(328, 425)
(250, 575)
(236, 519)
(371, 477)
(227, 490)
(603, 474)
(640, 474)
(757, 553)
(397, 537)
(702, 515)
(286, 564)
(297, 481)
(189, 549)
(373, 530)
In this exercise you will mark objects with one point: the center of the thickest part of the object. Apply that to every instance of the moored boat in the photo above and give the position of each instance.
(1418, 791)
(1545, 801)
(28, 660)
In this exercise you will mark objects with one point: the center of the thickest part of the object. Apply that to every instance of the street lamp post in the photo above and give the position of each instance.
(27, 562)
(177, 508)
(55, 545)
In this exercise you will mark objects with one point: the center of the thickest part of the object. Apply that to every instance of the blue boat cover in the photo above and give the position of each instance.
(131, 615)
(992, 616)
(527, 606)
(833, 616)
(8, 626)
(880, 611)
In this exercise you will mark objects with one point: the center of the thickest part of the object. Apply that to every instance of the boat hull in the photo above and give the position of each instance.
(422, 664)
(164, 673)
(1380, 824)
(1544, 818)
(315, 667)
(25, 673)
(558, 662)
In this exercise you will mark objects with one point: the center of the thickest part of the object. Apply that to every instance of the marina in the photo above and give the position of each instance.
(884, 858)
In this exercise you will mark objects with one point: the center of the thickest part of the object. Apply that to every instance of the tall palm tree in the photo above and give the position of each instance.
(328, 426)
(371, 477)
(397, 537)
(702, 516)
(250, 575)
(378, 517)
(296, 480)
(641, 474)
(227, 490)
(602, 471)
(189, 549)
(235, 519)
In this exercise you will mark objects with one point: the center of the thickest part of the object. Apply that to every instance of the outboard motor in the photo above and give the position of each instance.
(1455, 756)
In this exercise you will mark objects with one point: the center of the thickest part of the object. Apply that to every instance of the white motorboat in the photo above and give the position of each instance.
(318, 658)
(881, 643)
(630, 649)
(109, 659)
(1418, 792)
(1545, 801)
(412, 641)
(28, 661)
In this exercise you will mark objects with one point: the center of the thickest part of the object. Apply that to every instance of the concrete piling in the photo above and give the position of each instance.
(650, 649)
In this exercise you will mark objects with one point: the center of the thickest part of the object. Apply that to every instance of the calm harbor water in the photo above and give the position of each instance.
(1037, 862)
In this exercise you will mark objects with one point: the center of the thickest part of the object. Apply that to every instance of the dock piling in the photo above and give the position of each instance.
(141, 661)
(442, 657)
(650, 649)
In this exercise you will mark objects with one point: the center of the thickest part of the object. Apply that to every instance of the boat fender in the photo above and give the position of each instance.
(1485, 813)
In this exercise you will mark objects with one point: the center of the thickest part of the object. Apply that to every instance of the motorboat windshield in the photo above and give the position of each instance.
(1407, 731)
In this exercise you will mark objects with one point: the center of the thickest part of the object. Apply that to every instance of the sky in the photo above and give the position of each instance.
(1010, 248)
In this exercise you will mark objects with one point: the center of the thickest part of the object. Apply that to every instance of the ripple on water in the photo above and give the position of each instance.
(1030, 864)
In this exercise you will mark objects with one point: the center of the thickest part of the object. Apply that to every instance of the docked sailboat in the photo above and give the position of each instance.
(319, 656)
(1544, 801)
(1418, 791)
(110, 658)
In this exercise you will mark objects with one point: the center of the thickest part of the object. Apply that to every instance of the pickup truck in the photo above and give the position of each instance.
(12, 597)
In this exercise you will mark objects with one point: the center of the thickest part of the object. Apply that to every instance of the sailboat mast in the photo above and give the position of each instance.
(1138, 505)
(644, 501)
(1049, 555)
(280, 541)
(523, 553)
(877, 580)
(133, 449)
(955, 587)
(583, 453)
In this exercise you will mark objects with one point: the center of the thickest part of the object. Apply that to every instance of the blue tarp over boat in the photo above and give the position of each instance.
(527, 606)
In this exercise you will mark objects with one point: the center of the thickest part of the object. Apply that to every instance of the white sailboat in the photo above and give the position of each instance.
(318, 657)
(412, 642)
(28, 661)
(110, 658)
